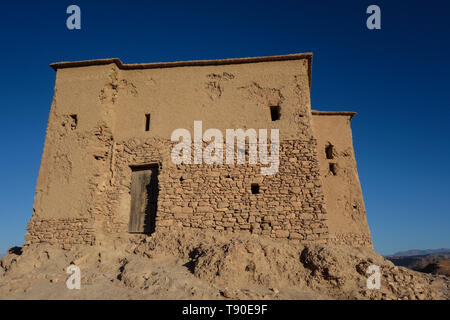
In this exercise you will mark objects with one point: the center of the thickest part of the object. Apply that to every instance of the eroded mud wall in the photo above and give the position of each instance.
(73, 170)
(341, 185)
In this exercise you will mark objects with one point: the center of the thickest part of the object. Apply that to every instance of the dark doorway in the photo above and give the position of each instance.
(144, 199)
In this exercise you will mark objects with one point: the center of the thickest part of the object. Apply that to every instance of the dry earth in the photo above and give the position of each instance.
(207, 265)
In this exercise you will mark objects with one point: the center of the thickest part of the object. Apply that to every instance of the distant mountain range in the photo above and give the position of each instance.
(417, 252)
(436, 261)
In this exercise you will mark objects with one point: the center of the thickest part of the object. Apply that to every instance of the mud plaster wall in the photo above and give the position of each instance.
(342, 189)
(85, 170)
(70, 176)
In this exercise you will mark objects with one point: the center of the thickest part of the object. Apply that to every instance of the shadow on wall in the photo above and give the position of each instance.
(152, 203)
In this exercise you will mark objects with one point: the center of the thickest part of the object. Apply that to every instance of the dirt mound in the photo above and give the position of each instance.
(203, 264)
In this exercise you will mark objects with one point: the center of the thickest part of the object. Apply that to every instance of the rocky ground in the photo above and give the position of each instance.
(207, 265)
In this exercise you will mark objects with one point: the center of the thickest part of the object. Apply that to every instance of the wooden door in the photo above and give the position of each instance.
(144, 199)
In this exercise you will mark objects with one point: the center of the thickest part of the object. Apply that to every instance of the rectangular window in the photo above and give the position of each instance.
(255, 188)
(329, 151)
(333, 168)
(73, 121)
(147, 122)
(275, 113)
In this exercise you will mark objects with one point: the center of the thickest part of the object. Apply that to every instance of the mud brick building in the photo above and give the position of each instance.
(106, 168)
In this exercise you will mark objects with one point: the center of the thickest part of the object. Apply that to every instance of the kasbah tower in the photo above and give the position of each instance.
(107, 172)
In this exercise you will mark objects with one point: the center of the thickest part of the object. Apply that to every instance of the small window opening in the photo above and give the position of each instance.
(333, 168)
(147, 122)
(255, 188)
(181, 179)
(275, 113)
(73, 121)
(329, 151)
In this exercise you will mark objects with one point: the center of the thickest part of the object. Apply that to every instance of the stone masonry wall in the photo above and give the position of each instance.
(351, 239)
(63, 232)
(290, 204)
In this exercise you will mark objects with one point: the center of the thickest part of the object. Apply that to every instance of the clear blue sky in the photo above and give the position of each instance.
(396, 78)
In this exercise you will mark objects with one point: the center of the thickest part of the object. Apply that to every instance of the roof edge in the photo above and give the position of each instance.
(351, 114)
(75, 64)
